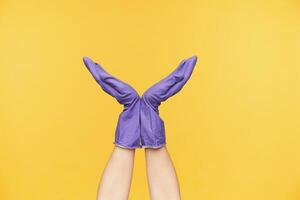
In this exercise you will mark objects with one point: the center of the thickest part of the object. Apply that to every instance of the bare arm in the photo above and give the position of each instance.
(116, 179)
(162, 178)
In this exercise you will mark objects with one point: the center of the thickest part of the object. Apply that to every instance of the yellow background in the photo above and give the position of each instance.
(233, 131)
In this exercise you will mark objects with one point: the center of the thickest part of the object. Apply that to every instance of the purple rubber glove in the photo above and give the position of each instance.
(152, 126)
(127, 134)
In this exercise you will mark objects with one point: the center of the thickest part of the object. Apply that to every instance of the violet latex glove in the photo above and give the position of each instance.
(152, 126)
(127, 134)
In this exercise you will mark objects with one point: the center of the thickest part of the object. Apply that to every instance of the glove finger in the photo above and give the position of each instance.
(125, 94)
(96, 69)
(98, 73)
(162, 88)
(119, 85)
(111, 85)
(122, 97)
(188, 70)
(169, 85)
(169, 80)
(109, 90)
(114, 82)
(165, 84)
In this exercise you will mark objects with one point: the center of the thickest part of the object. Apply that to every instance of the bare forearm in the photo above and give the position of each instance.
(116, 178)
(162, 178)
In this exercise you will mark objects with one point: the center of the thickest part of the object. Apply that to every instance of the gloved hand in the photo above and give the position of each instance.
(127, 134)
(152, 126)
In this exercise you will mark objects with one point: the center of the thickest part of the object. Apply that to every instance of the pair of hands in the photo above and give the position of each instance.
(139, 124)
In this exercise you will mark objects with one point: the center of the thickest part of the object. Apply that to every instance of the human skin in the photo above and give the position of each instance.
(117, 176)
(161, 174)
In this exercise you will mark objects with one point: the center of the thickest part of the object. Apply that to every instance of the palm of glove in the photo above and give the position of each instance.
(139, 124)
(118, 89)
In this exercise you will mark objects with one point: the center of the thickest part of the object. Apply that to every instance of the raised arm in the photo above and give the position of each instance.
(116, 179)
(162, 179)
